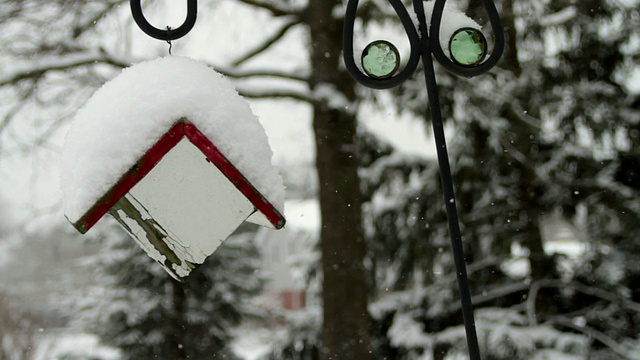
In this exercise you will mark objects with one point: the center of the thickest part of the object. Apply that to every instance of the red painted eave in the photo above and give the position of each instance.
(153, 156)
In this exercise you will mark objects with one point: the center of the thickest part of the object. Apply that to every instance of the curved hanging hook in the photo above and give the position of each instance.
(167, 34)
(436, 47)
(412, 34)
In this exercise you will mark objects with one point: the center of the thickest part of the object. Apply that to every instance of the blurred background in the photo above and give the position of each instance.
(543, 148)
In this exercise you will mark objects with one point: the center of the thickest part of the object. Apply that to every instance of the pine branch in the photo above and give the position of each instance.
(267, 42)
(588, 290)
(496, 293)
(595, 334)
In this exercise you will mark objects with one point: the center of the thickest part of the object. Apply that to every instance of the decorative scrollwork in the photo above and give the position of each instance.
(467, 50)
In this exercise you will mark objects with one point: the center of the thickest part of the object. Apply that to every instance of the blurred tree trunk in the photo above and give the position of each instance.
(345, 332)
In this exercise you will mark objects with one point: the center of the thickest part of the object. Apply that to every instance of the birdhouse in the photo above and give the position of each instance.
(183, 193)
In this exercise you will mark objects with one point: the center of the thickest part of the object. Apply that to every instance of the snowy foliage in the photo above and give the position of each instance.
(503, 334)
(18, 329)
(552, 130)
(301, 338)
(146, 314)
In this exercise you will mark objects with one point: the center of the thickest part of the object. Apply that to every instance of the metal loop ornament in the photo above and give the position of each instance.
(436, 49)
(167, 34)
(387, 81)
(424, 41)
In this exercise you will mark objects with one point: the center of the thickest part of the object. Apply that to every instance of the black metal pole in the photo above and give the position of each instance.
(447, 188)
(452, 212)
(424, 46)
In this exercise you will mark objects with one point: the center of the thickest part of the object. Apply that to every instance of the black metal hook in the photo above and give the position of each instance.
(166, 34)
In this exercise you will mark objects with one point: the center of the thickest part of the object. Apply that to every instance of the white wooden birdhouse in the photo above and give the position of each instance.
(173, 153)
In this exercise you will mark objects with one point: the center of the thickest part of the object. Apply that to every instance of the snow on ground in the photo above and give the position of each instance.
(63, 345)
(252, 342)
(127, 115)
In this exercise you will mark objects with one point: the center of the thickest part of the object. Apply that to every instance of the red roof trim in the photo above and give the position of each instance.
(153, 156)
(226, 167)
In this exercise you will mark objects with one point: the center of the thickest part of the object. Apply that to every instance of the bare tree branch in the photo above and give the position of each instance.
(272, 8)
(244, 74)
(17, 107)
(79, 29)
(277, 94)
(60, 63)
(268, 42)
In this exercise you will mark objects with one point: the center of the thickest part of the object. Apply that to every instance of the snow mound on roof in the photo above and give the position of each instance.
(129, 114)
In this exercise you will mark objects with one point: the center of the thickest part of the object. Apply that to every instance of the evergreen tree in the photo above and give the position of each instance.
(148, 315)
(552, 130)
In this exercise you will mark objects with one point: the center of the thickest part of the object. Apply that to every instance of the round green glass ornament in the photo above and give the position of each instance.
(380, 59)
(468, 47)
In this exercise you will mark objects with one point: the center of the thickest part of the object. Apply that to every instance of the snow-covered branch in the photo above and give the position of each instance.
(331, 97)
(496, 293)
(587, 290)
(595, 334)
(558, 18)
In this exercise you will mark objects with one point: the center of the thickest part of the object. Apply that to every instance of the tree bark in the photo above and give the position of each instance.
(346, 324)
(175, 341)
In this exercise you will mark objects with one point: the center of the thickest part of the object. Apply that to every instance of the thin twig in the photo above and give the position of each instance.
(275, 94)
(244, 74)
(268, 42)
(63, 63)
(273, 9)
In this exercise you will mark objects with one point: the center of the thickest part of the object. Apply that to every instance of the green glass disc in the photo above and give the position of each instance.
(380, 59)
(468, 47)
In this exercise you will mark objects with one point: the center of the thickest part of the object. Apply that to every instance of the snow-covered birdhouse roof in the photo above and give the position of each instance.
(129, 115)
(172, 151)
